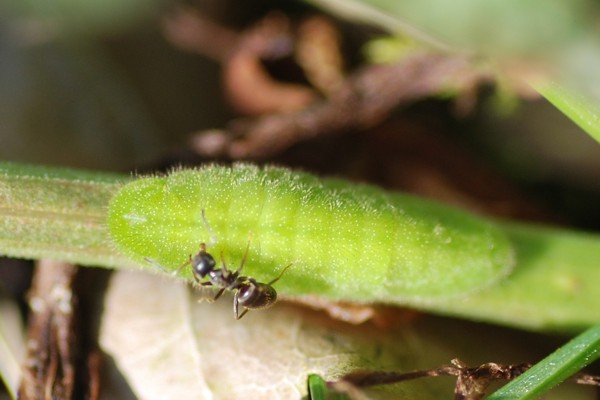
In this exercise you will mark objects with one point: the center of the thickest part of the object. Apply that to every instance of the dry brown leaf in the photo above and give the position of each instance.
(169, 346)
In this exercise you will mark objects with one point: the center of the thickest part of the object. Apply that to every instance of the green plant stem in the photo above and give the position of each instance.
(60, 214)
(558, 366)
(57, 214)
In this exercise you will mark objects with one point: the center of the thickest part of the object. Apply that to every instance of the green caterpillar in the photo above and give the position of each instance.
(346, 241)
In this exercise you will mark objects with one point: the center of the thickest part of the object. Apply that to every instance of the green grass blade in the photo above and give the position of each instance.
(582, 110)
(12, 346)
(318, 390)
(554, 369)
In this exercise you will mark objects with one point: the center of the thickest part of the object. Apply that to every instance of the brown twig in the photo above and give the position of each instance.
(362, 102)
(291, 112)
(247, 83)
(190, 31)
(48, 370)
(471, 382)
(94, 365)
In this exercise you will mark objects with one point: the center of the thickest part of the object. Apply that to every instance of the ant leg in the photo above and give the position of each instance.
(280, 275)
(199, 284)
(204, 295)
(242, 314)
(218, 294)
(236, 309)
(235, 305)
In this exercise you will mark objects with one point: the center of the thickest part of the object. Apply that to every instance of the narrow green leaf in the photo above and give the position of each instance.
(12, 346)
(497, 28)
(506, 33)
(558, 366)
(582, 110)
(317, 388)
(555, 285)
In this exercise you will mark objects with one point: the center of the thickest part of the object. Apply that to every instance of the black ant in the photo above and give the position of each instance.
(249, 293)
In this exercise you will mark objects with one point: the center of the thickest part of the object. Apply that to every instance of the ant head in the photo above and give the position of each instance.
(203, 263)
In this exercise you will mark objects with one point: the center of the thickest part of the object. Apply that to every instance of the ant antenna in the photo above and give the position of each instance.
(280, 274)
(178, 270)
(222, 259)
(213, 237)
(157, 265)
(239, 270)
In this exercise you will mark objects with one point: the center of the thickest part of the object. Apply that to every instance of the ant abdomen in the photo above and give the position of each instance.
(253, 295)
(256, 295)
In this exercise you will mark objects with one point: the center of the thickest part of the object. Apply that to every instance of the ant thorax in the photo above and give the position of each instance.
(225, 278)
